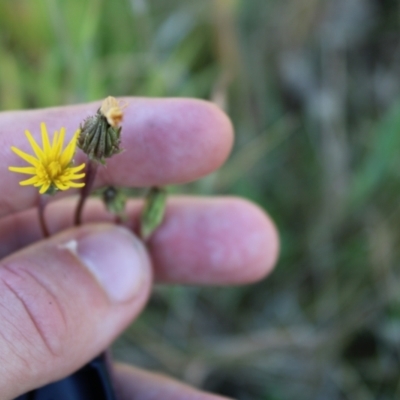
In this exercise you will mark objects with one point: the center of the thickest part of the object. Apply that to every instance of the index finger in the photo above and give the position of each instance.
(166, 141)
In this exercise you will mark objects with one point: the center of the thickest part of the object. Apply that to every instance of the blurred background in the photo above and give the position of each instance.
(313, 89)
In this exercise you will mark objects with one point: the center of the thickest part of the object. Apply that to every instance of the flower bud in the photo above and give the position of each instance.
(100, 134)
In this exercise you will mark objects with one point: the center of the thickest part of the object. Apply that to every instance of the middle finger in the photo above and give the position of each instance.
(201, 241)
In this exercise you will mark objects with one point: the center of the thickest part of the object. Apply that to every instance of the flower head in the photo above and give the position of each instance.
(52, 168)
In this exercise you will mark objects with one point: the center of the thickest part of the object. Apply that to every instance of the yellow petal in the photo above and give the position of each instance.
(77, 169)
(76, 176)
(53, 151)
(60, 185)
(36, 148)
(27, 157)
(45, 139)
(44, 188)
(76, 184)
(69, 151)
(30, 181)
(60, 141)
(23, 170)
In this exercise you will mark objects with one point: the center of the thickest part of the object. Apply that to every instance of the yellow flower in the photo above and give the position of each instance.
(52, 169)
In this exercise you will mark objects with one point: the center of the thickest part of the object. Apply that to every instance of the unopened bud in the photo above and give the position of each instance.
(100, 135)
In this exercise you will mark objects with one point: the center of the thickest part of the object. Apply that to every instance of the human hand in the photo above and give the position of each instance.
(63, 300)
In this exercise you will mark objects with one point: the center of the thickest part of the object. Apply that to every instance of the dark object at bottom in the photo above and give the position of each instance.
(92, 382)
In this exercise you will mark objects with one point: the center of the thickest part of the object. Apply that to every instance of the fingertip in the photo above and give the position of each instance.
(226, 241)
(262, 240)
(249, 242)
(218, 132)
(173, 140)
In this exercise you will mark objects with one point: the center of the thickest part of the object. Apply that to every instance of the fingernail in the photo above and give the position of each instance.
(117, 259)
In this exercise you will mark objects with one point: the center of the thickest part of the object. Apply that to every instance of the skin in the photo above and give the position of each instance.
(53, 322)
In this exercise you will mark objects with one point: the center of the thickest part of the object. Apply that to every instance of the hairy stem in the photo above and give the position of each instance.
(91, 171)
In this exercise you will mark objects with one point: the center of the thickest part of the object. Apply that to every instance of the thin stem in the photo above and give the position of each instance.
(43, 200)
(90, 176)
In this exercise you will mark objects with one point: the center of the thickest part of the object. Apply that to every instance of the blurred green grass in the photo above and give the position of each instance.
(313, 90)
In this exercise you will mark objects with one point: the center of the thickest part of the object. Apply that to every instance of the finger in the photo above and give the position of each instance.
(201, 241)
(64, 300)
(132, 383)
(165, 141)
